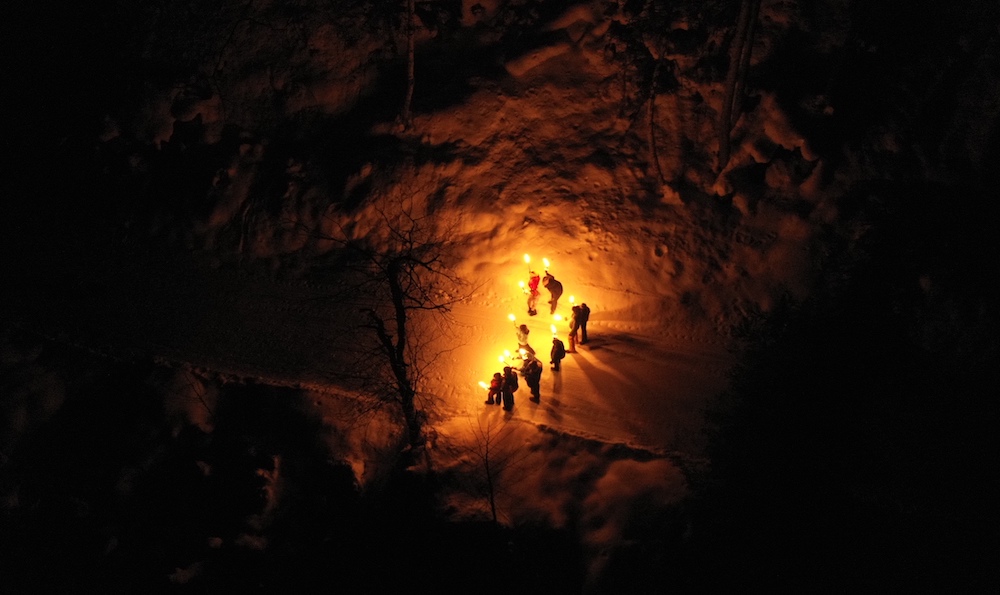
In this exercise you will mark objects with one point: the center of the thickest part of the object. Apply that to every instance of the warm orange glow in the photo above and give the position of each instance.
(500, 359)
(523, 352)
(546, 261)
(484, 385)
(521, 284)
(571, 299)
(527, 259)
(553, 327)
(511, 317)
(506, 352)
(557, 317)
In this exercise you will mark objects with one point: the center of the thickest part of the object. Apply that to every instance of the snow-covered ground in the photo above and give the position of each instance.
(192, 230)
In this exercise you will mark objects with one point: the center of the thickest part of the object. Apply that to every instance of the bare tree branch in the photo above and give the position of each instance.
(393, 275)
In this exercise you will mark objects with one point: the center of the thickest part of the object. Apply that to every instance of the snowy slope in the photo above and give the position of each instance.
(194, 228)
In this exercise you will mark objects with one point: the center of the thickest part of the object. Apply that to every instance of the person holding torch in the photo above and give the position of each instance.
(574, 329)
(557, 354)
(495, 388)
(555, 290)
(533, 280)
(522, 338)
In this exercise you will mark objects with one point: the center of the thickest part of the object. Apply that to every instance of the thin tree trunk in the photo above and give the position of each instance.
(724, 122)
(489, 486)
(741, 80)
(397, 363)
(244, 228)
(410, 58)
(653, 156)
(407, 392)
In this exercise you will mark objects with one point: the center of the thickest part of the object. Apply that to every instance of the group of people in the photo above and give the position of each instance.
(503, 385)
(548, 282)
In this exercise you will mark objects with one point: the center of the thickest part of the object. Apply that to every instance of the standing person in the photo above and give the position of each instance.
(582, 317)
(555, 290)
(496, 386)
(558, 353)
(522, 339)
(574, 329)
(533, 292)
(532, 372)
(509, 387)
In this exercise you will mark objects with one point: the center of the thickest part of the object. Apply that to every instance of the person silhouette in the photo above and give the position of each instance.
(574, 329)
(533, 293)
(509, 387)
(555, 290)
(496, 386)
(532, 372)
(582, 317)
(557, 354)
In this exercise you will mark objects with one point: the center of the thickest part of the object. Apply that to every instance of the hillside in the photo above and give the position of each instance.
(186, 326)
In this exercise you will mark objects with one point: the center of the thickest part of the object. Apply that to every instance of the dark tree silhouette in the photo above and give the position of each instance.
(739, 61)
(399, 278)
(405, 115)
(500, 458)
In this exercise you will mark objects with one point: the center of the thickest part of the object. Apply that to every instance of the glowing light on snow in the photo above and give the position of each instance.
(511, 317)
(484, 385)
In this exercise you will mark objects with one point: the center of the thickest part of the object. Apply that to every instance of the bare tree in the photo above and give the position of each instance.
(499, 460)
(739, 62)
(405, 116)
(651, 116)
(399, 278)
(432, 16)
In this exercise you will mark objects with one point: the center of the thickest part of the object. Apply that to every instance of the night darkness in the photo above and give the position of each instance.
(854, 448)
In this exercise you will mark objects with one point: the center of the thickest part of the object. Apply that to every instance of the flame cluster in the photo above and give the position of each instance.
(507, 358)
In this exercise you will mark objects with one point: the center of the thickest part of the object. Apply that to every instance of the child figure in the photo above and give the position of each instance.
(496, 385)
